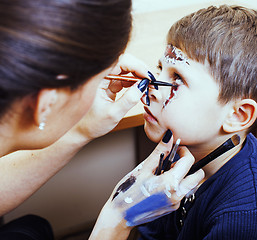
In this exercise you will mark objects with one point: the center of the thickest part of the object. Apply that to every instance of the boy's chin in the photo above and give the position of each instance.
(153, 135)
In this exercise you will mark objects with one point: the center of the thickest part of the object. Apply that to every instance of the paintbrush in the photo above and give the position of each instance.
(135, 79)
(229, 144)
(165, 165)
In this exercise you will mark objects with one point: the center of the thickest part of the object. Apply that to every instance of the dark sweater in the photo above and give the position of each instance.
(224, 205)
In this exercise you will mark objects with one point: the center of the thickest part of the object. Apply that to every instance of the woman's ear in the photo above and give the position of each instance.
(45, 100)
(242, 116)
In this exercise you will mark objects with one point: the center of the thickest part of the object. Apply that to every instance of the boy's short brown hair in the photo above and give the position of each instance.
(226, 38)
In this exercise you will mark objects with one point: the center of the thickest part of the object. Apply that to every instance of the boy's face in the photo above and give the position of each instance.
(191, 110)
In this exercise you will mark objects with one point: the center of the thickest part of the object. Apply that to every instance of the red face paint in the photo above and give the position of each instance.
(172, 94)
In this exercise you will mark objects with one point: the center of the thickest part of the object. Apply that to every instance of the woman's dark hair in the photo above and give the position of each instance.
(42, 39)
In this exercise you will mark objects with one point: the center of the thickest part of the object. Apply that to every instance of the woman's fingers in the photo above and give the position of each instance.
(161, 151)
(127, 64)
(106, 111)
(129, 99)
(142, 196)
(183, 165)
(146, 169)
(130, 64)
(189, 183)
(178, 184)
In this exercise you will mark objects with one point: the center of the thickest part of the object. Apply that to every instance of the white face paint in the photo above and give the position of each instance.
(174, 56)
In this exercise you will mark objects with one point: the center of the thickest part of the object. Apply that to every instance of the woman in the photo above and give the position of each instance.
(53, 56)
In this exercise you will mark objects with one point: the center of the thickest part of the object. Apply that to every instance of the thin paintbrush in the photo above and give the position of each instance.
(165, 165)
(122, 78)
(135, 79)
(170, 160)
(174, 151)
(229, 144)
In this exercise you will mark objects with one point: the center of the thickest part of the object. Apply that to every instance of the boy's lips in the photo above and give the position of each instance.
(149, 116)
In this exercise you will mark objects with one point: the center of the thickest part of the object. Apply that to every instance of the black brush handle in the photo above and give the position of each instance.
(210, 157)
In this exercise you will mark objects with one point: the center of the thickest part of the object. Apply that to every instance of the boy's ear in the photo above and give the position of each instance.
(242, 117)
(45, 100)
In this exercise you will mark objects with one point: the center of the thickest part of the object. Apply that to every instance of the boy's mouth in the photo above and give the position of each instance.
(150, 114)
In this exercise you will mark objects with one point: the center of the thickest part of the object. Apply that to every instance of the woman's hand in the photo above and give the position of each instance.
(107, 111)
(141, 196)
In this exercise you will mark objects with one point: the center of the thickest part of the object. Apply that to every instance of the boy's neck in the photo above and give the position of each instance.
(217, 163)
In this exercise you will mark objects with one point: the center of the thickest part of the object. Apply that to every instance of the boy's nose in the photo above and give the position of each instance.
(154, 95)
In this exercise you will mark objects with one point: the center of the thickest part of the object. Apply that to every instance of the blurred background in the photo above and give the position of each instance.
(71, 200)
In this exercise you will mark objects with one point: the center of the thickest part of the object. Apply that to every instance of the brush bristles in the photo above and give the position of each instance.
(235, 139)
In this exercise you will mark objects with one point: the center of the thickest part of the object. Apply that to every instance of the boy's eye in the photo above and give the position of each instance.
(174, 77)
(159, 69)
(177, 79)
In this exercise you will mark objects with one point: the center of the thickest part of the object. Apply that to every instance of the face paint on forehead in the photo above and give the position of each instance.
(173, 55)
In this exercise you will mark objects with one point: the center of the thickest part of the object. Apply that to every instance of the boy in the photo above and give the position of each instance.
(211, 57)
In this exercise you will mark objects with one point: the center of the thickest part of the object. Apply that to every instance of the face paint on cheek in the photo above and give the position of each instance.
(172, 95)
